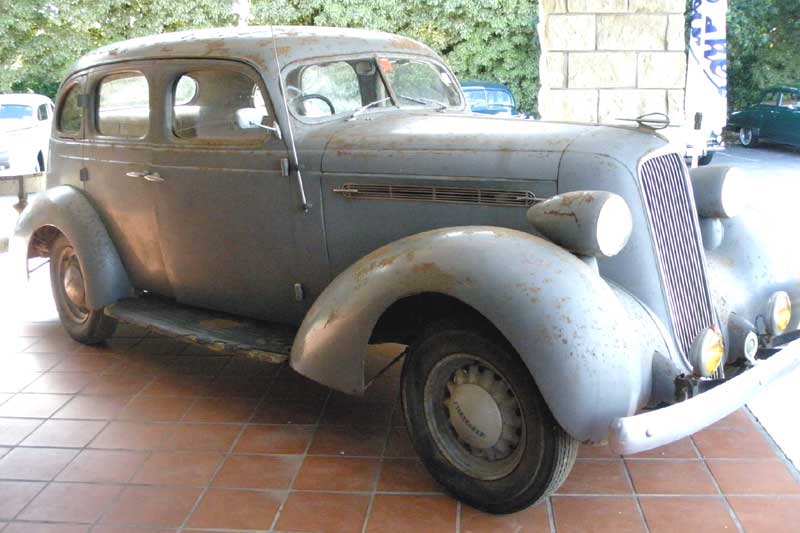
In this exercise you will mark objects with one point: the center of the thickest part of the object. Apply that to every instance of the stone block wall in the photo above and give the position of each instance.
(605, 59)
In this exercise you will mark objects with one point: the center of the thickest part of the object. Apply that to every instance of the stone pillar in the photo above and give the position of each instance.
(606, 59)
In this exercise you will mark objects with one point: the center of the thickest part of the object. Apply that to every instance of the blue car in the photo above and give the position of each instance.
(489, 98)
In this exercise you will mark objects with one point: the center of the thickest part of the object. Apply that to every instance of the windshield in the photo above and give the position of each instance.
(419, 82)
(351, 87)
(15, 111)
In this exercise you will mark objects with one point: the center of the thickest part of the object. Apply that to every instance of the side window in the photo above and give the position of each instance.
(790, 100)
(123, 105)
(70, 114)
(206, 104)
(770, 98)
(43, 112)
(328, 89)
(500, 98)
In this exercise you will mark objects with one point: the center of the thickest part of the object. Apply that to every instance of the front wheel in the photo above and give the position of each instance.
(478, 421)
(706, 159)
(748, 137)
(69, 291)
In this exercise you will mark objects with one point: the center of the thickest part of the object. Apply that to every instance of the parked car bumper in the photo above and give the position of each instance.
(633, 434)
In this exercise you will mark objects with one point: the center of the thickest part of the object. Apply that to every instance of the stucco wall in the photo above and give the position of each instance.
(605, 59)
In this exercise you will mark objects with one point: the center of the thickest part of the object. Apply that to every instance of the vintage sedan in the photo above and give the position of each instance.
(298, 193)
(776, 118)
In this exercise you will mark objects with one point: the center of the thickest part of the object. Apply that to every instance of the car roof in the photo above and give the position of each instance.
(782, 88)
(484, 85)
(24, 99)
(254, 44)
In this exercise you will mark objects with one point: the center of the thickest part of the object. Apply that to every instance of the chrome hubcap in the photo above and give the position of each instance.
(745, 136)
(73, 287)
(474, 416)
(73, 284)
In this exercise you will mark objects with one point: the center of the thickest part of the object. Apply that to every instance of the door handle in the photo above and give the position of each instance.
(149, 176)
(153, 176)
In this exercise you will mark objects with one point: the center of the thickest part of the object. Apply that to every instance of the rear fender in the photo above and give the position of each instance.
(566, 323)
(68, 210)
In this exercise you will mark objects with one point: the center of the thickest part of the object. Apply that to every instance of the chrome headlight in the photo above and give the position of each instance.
(720, 192)
(779, 312)
(593, 223)
(707, 352)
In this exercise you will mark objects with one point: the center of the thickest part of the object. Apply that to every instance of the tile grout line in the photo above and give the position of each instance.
(728, 505)
(117, 497)
(232, 447)
(635, 495)
(304, 455)
(379, 470)
(48, 483)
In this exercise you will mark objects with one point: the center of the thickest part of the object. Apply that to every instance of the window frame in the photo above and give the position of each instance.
(374, 56)
(96, 82)
(71, 84)
(179, 68)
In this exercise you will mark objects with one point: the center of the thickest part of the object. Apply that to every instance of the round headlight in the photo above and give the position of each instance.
(779, 312)
(590, 223)
(720, 192)
(614, 226)
(707, 352)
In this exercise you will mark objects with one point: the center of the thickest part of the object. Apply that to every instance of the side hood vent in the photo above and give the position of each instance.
(446, 195)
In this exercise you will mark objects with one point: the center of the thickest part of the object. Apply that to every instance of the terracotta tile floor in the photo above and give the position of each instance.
(147, 434)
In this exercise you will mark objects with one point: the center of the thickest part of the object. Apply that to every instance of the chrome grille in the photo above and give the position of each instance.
(670, 207)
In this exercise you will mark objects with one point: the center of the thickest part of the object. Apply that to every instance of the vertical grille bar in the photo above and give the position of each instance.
(670, 207)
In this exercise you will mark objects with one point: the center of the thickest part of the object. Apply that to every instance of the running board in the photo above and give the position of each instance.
(217, 331)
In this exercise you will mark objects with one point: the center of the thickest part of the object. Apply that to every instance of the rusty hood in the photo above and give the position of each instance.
(448, 144)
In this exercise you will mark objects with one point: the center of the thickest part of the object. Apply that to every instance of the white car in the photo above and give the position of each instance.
(25, 121)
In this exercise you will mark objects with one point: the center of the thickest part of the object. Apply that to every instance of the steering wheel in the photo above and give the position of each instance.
(315, 96)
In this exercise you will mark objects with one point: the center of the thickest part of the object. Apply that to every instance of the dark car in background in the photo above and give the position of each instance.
(776, 118)
(489, 98)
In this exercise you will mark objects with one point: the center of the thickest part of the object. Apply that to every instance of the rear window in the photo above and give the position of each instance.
(71, 113)
(123, 108)
(15, 111)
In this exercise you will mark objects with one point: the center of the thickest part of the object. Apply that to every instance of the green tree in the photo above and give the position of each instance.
(763, 47)
(41, 40)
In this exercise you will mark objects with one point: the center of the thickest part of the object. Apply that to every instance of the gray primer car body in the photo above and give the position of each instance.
(598, 338)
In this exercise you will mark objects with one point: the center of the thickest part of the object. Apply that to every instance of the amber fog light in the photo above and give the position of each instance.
(779, 312)
(707, 352)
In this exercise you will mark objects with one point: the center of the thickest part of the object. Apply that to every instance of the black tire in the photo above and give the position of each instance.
(748, 137)
(705, 159)
(544, 454)
(82, 324)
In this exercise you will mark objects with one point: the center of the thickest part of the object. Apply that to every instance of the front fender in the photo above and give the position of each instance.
(755, 258)
(565, 322)
(68, 210)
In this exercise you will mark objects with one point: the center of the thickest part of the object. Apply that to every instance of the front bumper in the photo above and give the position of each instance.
(633, 434)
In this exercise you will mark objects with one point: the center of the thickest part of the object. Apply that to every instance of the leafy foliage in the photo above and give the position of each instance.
(763, 48)
(41, 40)
(481, 39)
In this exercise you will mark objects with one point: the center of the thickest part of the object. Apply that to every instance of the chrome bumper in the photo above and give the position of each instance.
(633, 434)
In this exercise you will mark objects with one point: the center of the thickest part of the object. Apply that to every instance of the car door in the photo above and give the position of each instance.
(121, 130)
(225, 209)
(787, 118)
(767, 114)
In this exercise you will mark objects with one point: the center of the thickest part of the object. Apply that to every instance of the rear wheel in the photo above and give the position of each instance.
(748, 137)
(478, 421)
(69, 291)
